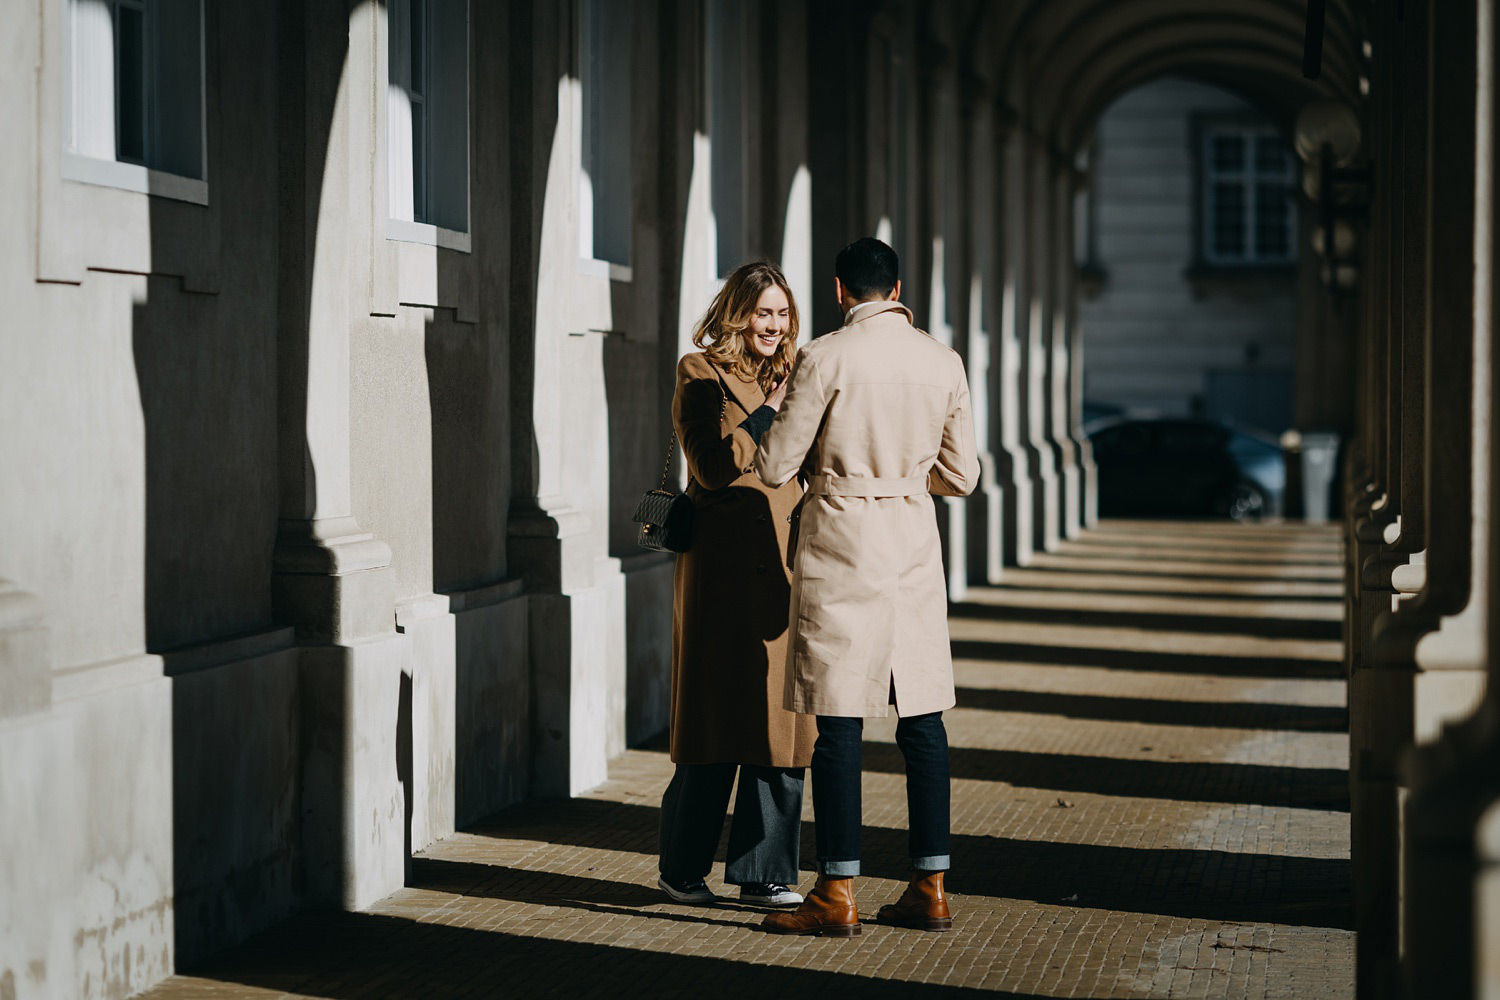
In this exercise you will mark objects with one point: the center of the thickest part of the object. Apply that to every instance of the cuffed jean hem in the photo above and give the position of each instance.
(932, 863)
(838, 869)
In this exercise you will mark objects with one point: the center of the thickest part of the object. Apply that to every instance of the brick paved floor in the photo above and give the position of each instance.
(1150, 799)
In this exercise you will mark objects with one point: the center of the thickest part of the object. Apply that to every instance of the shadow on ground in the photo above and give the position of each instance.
(1160, 711)
(1255, 625)
(1179, 882)
(375, 955)
(1210, 664)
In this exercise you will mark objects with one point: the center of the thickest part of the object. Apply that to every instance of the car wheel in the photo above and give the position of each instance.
(1246, 502)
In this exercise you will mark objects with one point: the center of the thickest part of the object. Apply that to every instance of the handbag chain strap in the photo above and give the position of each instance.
(666, 470)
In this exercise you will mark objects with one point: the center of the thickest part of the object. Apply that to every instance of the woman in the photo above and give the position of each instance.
(730, 608)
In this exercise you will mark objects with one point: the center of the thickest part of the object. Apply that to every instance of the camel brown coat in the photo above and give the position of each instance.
(881, 410)
(730, 605)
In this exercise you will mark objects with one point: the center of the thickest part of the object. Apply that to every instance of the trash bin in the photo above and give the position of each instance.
(1320, 451)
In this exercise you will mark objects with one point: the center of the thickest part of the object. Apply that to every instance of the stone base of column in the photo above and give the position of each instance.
(332, 580)
(429, 698)
(356, 702)
(334, 584)
(1014, 475)
(1088, 481)
(1072, 507)
(985, 513)
(1451, 903)
(953, 528)
(576, 625)
(1046, 500)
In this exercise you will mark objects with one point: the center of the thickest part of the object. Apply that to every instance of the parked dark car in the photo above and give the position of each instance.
(1170, 467)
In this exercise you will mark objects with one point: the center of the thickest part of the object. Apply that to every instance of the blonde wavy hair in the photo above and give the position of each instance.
(720, 334)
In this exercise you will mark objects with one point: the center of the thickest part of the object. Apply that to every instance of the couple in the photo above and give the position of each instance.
(875, 418)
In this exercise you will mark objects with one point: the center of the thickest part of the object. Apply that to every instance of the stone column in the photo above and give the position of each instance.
(1046, 525)
(1013, 464)
(1061, 359)
(558, 540)
(1088, 478)
(1372, 820)
(986, 522)
(332, 579)
(1451, 902)
(1427, 656)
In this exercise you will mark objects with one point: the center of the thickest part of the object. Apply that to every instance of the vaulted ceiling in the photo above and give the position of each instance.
(1059, 63)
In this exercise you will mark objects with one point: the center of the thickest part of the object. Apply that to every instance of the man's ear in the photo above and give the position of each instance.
(838, 292)
(895, 292)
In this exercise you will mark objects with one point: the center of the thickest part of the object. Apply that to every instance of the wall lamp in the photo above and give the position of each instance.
(1327, 139)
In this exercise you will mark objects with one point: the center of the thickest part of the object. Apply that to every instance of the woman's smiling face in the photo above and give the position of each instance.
(769, 322)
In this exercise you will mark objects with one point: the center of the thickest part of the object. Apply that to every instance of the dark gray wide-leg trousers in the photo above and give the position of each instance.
(764, 838)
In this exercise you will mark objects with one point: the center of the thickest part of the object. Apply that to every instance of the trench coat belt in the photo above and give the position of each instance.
(866, 486)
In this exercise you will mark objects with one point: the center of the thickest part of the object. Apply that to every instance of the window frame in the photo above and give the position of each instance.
(589, 263)
(419, 228)
(131, 175)
(1249, 127)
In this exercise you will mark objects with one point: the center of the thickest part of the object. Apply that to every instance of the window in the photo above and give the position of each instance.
(135, 96)
(1249, 213)
(428, 115)
(604, 43)
(725, 66)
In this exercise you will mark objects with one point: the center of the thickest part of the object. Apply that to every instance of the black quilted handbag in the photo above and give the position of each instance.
(666, 518)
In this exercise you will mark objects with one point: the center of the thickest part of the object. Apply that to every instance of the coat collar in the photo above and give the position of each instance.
(877, 309)
(746, 394)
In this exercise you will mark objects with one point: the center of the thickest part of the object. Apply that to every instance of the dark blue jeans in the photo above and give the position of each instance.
(837, 808)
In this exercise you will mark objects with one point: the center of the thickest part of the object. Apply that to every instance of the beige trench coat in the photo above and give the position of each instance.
(882, 412)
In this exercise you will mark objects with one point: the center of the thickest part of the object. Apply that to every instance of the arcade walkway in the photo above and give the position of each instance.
(1150, 800)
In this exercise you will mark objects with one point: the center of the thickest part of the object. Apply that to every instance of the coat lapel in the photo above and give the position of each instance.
(746, 394)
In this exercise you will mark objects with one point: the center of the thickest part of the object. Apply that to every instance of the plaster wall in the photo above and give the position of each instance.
(1150, 335)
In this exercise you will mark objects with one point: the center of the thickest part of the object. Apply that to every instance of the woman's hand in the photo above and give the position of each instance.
(777, 395)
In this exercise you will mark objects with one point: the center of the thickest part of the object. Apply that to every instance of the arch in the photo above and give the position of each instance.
(1252, 71)
(1061, 25)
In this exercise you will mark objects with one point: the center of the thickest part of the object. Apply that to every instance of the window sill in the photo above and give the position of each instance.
(133, 177)
(406, 231)
(594, 268)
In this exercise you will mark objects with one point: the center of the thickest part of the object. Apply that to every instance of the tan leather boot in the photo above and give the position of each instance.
(828, 910)
(922, 906)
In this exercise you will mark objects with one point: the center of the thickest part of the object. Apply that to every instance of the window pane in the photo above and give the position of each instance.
(130, 84)
(418, 48)
(1270, 155)
(604, 57)
(1228, 220)
(1228, 153)
(177, 87)
(419, 161)
(1272, 221)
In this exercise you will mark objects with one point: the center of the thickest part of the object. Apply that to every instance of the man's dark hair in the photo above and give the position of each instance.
(867, 268)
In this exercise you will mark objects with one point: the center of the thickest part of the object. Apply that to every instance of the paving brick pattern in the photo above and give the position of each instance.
(1149, 759)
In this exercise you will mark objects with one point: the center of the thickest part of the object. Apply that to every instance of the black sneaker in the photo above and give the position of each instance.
(691, 891)
(769, 894)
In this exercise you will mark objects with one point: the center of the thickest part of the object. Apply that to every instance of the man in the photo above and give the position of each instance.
(878, 412)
